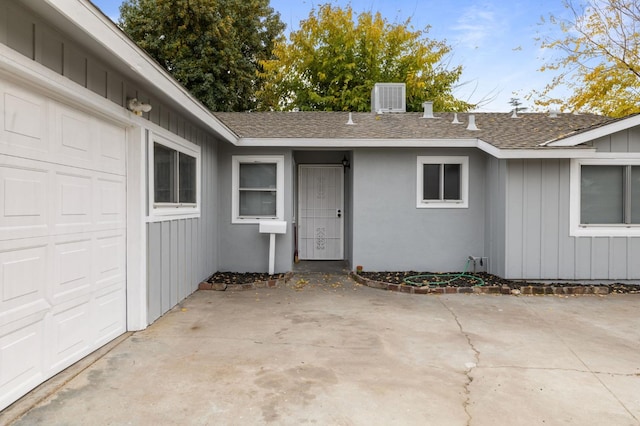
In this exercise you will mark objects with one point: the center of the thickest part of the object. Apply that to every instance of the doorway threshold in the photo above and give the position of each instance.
(322, 266)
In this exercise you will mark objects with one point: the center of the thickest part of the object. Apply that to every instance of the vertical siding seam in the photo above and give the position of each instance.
(576, 259)
(592, 254)
(33, 41)
(610, 269)
(628, 257)
(160, 283)
(523, 218)
(540, 218)
(559, 200)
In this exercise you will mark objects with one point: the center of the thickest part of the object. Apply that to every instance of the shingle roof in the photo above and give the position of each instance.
(497, 129)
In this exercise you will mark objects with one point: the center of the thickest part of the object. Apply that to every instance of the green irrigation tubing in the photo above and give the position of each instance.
(442, 276)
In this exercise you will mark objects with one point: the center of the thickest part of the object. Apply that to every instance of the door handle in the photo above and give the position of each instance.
(338, 213)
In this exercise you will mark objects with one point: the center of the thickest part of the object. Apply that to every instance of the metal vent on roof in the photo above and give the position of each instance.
(388, 97)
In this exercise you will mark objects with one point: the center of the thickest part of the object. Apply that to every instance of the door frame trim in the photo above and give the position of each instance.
(299, 193)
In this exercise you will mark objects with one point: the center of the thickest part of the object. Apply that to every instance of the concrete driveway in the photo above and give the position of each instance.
(326, 351)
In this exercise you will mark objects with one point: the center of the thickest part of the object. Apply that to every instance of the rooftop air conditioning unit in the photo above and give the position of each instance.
(389, 97)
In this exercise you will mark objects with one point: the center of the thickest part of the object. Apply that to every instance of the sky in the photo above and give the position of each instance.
(493, 40)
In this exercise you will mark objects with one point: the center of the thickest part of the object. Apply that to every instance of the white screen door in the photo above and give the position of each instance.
(320, 212)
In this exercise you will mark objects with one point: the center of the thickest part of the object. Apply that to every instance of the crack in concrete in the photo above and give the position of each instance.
(575, 370)
(588, 369)
(469, 366)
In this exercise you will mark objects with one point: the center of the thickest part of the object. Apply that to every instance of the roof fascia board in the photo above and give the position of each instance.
(419, 143)
(358, 143)
(599, 132)
(539, 153)
(96, 25)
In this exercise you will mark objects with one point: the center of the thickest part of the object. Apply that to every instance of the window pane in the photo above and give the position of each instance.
(258, 203)
(187, 170)
(602, 194)
(635, 194)
(452, 181)
(258, 175)
(431, 182)
(164, 165)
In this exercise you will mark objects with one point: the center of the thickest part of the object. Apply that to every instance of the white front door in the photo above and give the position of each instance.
(320, 212)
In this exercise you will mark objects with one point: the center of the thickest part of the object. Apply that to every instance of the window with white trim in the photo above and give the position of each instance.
(442, 182)
(605, 197)
(174, 183)
(258, 185)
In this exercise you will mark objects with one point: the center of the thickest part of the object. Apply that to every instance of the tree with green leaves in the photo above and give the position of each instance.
(213, 47)
(333, 61)
(599, 58)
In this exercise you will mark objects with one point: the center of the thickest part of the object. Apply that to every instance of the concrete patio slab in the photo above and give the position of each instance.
(324, 350)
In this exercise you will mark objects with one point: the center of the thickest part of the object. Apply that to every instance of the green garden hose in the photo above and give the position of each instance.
(442, 279)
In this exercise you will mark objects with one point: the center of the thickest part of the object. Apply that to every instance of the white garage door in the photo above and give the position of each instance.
(62, 237)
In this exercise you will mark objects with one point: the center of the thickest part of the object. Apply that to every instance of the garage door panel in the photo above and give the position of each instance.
(109, 313)
(69, 332)
(110, 260)
(72, 211)
(22, 277)
(23, 202)
(74, 137)
(21, 361)
(71, 270)
(112, 148)
(24, 122)
(111, 202)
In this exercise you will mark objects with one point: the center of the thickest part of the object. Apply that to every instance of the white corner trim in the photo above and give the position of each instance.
(136, 231)
(596, 133)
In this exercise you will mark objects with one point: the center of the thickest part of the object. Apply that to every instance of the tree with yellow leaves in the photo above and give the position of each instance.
(333, 61)
(599, 58)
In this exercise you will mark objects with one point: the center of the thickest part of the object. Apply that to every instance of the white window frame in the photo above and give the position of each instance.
(168, 211)
(463, 203)
(278, 160)
(576, 229)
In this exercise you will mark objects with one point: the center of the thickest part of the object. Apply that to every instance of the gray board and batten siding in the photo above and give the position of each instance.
(495, 216)
(538, 244)
(390, 233)
(181, 253)
(184, 249)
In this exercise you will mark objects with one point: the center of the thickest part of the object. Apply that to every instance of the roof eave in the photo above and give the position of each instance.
(357, 143)
(86, 17)
(500, 153)
(598, 132)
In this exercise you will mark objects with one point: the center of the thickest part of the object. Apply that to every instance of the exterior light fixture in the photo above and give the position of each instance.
(345, 163)
(137, 107)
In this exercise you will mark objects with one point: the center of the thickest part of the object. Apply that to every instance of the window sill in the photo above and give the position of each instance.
(172, 212)
(253, 220)
(443, 205)
(606, 231)
(170, 206)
